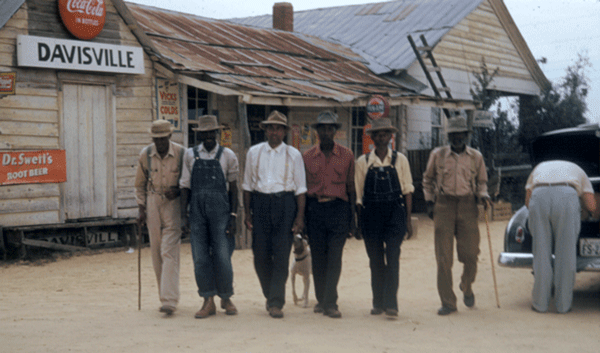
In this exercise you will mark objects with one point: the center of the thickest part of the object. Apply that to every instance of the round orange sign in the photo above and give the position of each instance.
(378, 107)
(83, 18)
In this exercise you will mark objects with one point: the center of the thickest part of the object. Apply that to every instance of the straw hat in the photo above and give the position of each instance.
(327, 117)
(275, 118)
(207, 123)
(381, 124)
(161, 128)
(457, 124)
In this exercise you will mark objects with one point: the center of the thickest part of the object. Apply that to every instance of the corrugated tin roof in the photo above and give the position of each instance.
(259, 61)
(378, 31)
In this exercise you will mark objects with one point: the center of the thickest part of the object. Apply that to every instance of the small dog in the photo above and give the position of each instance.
(301, 265)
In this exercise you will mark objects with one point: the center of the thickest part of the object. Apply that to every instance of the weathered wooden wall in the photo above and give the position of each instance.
(31, 119)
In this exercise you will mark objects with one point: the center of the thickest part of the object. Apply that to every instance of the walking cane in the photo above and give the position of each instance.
(139, 236)
(487, 225)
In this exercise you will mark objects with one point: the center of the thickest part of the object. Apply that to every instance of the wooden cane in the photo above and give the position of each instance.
(139, 236)
(487, 225)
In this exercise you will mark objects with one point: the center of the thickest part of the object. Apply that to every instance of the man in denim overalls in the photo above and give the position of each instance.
(207, 169)
(384, 200)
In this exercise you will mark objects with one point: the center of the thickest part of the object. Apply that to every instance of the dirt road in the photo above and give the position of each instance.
(88, 303)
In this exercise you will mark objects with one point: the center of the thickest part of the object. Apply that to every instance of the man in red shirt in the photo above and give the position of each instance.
(330, 217)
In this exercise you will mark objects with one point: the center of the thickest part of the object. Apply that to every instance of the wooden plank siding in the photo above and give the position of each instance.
(479, 35)
(31, 119)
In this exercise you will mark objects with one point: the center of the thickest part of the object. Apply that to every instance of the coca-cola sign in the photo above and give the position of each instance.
(83, 18)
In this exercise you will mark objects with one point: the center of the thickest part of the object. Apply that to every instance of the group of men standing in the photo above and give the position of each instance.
(282, 189)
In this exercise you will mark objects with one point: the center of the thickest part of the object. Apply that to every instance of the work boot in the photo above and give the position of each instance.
(208, 309)
(230, 309)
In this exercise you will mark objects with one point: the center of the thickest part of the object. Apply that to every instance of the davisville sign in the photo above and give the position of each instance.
(52, 53)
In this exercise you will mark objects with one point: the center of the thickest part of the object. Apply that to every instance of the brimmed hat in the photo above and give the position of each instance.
(381, 124)
(326, 117)
(275, 118)
(207, 123)
(161, 128)
(457, 124)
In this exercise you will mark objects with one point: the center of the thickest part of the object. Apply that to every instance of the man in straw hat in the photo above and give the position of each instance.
(455, 179)
(157, 195)
(329, 204)
(384, 200)
(274, 200)
(209, 183)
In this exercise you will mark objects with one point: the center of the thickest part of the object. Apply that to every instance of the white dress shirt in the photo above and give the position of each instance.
(272, 170)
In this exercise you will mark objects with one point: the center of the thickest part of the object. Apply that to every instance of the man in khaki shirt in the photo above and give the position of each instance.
(453, 182)
(157, 194)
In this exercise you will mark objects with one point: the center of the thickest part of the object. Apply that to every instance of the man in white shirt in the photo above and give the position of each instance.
(274, 200)
(553, 193)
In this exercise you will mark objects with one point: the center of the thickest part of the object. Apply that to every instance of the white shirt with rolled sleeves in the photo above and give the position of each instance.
(229, 164)
(272, 170)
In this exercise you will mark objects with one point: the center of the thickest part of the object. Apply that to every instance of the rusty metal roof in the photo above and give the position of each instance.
(259, 61)
(378, 31)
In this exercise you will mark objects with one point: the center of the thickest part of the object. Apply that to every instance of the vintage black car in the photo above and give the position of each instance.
(580, 145)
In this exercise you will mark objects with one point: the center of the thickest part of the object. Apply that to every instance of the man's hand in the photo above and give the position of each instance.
(231, 227)
(185, 224)
(358, 224)
(409, 229)
(172, 193)
(430, 206)
(141, 220)
(487, 202)
(298, 225)
(248, 220)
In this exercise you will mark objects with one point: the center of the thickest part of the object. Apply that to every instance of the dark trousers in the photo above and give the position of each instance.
(383, 227)
(272, 238)
(327, 227)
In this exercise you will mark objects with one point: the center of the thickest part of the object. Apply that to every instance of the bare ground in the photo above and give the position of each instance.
(89, 303)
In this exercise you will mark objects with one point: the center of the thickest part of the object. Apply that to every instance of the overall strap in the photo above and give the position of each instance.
(394, 157)
(219, 153)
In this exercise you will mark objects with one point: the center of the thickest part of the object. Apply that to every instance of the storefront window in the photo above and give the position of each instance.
(197, 100)
(358, 122)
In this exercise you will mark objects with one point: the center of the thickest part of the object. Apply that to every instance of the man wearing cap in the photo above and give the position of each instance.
(454, 180)
(157, 195)
(330, 184)
(384, 201)
(209, 185)
(553, 193)
(274, 200)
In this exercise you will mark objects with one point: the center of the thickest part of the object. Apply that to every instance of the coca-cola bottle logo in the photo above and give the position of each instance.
(83, 18)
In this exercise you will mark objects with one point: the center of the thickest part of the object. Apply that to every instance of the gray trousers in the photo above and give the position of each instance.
(554, 221)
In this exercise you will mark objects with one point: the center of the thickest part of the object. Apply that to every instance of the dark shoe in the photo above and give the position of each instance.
(167, 309)
(275, 312)
(376, 311)
(444, 310)
(208, 309)
(538, 311)
(469, 300)
(391, 313)
(230, 309)
(333, 313)
(318, 308)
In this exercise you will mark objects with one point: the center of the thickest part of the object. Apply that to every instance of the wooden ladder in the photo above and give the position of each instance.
(426, 52)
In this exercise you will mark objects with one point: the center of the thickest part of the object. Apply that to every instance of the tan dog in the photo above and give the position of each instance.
(301, 265)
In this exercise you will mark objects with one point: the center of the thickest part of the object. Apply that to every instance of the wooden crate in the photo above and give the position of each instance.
(501, 211)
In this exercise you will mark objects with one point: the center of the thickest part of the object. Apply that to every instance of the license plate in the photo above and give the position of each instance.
(589, 247)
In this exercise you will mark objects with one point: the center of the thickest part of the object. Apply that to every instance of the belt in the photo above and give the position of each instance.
(275, 194)
(325, 198)
(553, 184)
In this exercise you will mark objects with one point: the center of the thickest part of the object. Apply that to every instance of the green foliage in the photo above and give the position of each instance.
(559, 106)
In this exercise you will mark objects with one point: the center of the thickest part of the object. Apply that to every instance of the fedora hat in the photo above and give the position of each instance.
(275, 118)
(161, 128)
(207, 123)
(381, 124)
(326, 117)
(457, 124)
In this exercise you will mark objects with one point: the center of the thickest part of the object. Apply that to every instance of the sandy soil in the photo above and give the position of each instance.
(89, 303)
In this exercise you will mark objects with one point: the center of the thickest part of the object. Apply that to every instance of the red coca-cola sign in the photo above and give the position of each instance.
(378, 107)
(83, 18)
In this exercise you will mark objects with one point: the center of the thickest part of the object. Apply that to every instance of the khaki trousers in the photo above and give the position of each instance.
(163, 218)
(455, 217)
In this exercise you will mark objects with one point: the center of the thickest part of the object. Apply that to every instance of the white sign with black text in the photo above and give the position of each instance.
(55, 53)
